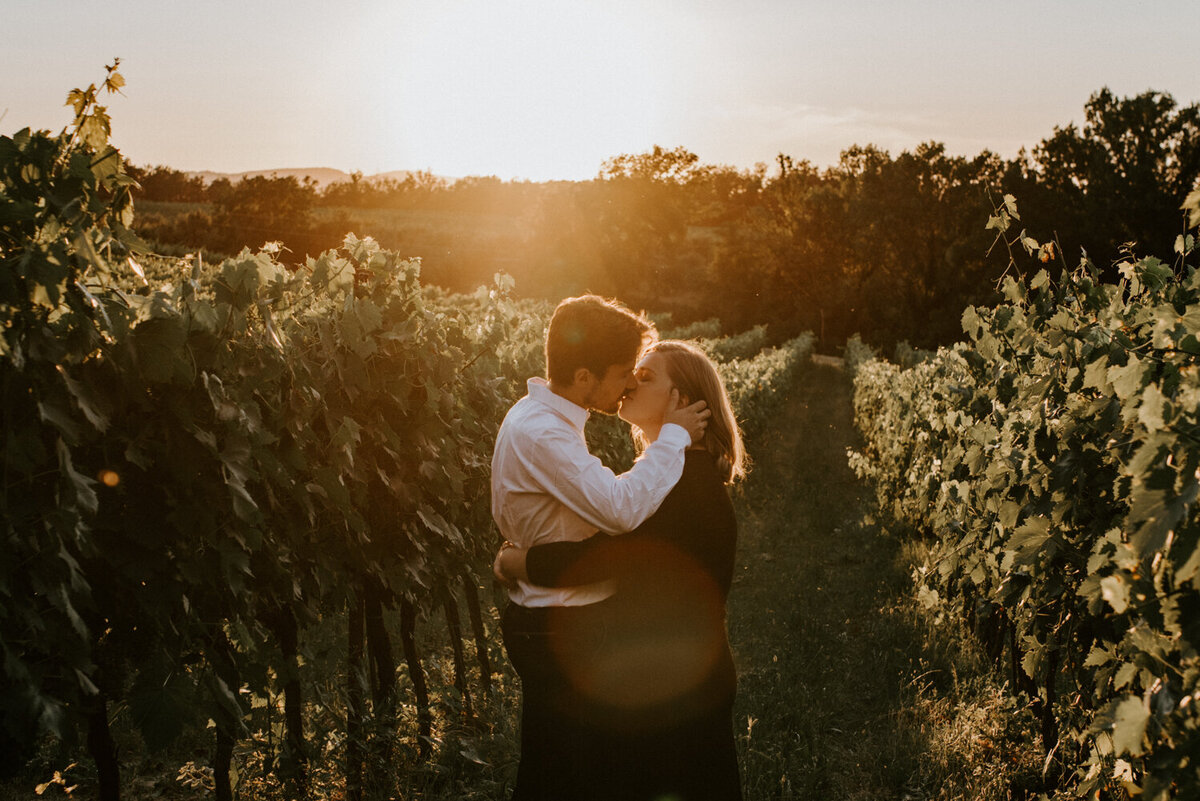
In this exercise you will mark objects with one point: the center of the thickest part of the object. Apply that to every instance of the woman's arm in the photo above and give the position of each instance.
(694, 524)
(566, 564)
(559, 564)
(601, 557)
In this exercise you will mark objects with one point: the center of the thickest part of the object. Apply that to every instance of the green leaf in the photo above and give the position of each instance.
(1029, 539)
(971, 323)
(243, 503)
(114, 82)
(204, 316)
(159, 347)
(1014, 291)
(432, 520)
(1190, 569)
(227, 708)
(1192, 206)
(1157, 511)
(1010, 205)
(82, 487)
(1031, 662)
(82, 393)
(107, 164)
(1151, 642)
(95, 128)
(161, 705)
(1095, 376)
(85, 683)
(369, 315)
(60, 417)
(1098, 656)
(348, 434)
(1127, 380)
(1150, 412)
(1129, 727)
(928, 598)
(1115, 591)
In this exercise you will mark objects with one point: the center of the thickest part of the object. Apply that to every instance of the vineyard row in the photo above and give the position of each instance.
(1054, 461)
(202, 464)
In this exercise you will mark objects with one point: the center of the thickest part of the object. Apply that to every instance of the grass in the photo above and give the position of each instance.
(848, 688)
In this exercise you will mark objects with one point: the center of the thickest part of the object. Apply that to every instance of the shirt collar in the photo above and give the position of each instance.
(539, 390)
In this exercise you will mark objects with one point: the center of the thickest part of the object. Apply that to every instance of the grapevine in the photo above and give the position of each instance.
(204, 462)
(1055, 461)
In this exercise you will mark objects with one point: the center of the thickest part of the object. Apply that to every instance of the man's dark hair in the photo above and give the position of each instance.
(593, 332)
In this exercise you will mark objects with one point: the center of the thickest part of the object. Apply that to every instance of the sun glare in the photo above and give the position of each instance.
(527, 90)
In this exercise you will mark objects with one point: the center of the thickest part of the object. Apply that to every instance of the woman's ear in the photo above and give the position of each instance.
(684, 400)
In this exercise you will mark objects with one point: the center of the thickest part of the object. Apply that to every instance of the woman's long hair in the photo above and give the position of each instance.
(693, 373)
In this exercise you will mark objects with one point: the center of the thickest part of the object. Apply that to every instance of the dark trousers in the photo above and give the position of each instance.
(561, 750)
(578, 746)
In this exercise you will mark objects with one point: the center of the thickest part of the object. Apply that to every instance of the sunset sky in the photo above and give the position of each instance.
(546, 89)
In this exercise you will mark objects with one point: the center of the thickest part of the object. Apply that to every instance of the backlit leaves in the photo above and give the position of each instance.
(1129, 726)
(190, 448)
(1076, 516)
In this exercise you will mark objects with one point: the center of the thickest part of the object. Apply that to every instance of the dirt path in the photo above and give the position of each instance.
(823, 654)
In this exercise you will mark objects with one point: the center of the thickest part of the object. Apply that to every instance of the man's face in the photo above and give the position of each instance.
(605, 395)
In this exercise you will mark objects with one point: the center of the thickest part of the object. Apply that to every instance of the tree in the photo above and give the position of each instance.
(660, 165)
(1122, 177)
(260, 209)
(165, 184)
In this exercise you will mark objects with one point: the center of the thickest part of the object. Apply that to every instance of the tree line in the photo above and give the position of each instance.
(892, 246)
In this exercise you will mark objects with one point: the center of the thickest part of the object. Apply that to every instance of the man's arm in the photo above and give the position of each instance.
(692, 417)
(563, 466)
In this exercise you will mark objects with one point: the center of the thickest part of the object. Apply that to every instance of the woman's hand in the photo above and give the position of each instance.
(509, 565)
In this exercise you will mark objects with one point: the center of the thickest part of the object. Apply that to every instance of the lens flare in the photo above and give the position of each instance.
(652, 651)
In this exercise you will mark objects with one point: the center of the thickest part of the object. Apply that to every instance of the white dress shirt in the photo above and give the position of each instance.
(547, 487)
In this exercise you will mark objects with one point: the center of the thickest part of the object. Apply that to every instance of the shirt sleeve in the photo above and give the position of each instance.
(562, 465)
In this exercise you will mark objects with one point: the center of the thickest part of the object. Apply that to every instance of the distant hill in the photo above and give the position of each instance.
(323, 176)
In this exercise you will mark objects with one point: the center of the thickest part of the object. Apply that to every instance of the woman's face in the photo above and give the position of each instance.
(646, 404)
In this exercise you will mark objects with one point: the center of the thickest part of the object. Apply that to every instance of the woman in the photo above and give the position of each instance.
(653, 669)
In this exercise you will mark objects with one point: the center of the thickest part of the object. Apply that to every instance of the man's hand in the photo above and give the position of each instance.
(509, 565)
(694, 418)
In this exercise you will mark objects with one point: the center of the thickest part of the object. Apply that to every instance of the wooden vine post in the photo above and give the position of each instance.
(103, 750)
(355, 692)
(471, 594)
(294, 759)
(454, 629)
(408, 624)
(221, 657)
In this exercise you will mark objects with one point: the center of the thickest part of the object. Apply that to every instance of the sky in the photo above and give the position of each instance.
(550, 89)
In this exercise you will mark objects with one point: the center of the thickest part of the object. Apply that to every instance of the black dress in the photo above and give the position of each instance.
(651, 666)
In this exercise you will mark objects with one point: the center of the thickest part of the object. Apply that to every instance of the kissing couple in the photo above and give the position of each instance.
(617, 583)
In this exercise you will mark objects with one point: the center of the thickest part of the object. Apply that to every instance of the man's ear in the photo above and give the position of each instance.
(584, 377)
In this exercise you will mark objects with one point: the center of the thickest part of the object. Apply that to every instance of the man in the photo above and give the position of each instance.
(546, 486)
